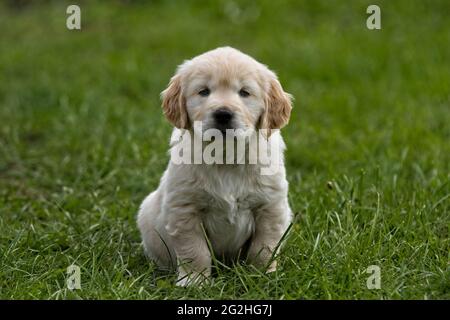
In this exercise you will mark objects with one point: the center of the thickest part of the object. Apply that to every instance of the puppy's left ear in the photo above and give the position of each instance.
(278, 107)
(174, 104)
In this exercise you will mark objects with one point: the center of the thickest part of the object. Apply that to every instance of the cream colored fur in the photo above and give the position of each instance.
(220, 205)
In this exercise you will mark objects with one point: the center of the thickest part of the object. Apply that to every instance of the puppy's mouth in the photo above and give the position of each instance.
(223, 128)
(232, 128)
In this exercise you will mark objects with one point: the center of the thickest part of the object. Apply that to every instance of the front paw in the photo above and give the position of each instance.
(272, 267)
(262, 259)
(192, 279)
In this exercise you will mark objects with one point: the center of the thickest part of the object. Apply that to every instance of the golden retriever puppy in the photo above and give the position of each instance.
(226, 209)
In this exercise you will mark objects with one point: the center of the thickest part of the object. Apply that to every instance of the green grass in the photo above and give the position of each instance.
(83, 141)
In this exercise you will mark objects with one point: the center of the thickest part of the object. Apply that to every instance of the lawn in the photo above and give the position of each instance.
(83, 141)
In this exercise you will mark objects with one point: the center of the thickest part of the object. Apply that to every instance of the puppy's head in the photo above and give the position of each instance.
(226, 89)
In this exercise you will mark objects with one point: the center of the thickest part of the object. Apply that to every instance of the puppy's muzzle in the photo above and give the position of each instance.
(223, 118)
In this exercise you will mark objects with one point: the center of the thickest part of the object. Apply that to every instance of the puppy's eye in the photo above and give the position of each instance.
(244, 93)
(204, 92)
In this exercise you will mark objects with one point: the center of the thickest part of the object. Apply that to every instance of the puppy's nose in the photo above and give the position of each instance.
(223, 115)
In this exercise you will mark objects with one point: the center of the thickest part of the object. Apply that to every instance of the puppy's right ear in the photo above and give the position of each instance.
(174, 104)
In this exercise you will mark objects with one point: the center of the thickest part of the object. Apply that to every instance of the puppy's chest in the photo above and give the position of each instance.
(233, 193)
(229, 221)
(230, 206)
